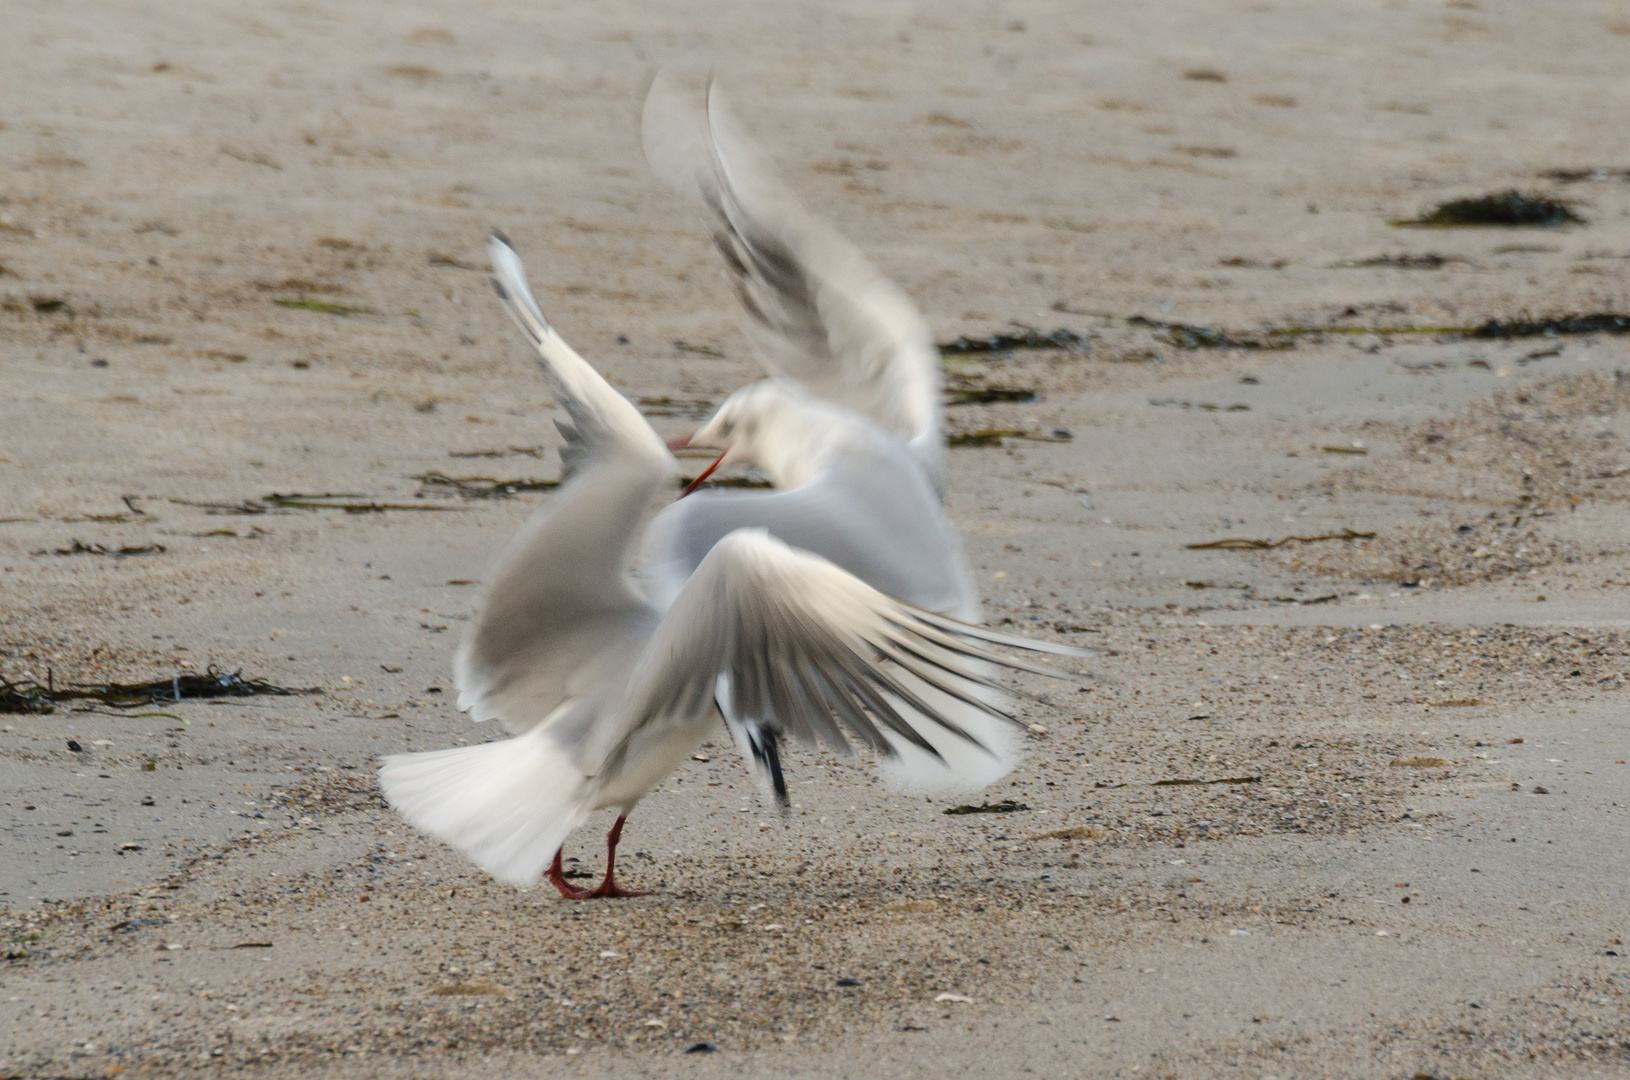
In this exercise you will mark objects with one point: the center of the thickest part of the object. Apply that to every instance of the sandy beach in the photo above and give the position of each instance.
(1341, 792)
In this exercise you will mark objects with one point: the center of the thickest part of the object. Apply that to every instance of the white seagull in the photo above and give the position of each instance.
(780, 621)
(848, 428)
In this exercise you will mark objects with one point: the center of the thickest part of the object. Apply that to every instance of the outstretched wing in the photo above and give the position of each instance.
(821, 313)
(600, 419)
(802, 647)
(561, 616)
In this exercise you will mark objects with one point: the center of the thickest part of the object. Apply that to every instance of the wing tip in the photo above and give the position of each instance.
(509, 280)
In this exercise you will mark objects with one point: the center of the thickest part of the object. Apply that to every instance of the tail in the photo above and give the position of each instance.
(508, 805)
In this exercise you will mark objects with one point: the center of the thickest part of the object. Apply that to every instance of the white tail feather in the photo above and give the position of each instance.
(508, 805)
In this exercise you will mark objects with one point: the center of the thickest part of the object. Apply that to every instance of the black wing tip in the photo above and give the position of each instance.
(498, 235)
(765, 744)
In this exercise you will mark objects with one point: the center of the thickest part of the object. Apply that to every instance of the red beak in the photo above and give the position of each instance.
(703, 475)
(681, 442)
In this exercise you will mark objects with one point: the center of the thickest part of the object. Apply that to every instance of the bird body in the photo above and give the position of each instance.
(845, 489)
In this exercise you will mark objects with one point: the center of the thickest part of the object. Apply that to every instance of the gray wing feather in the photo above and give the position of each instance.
(821, 313)
(809, 649)
(560, 616)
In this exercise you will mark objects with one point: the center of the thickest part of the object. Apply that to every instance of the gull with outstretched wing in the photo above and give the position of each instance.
(607, 688)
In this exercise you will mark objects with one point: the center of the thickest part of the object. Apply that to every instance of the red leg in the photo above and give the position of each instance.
(608, 886)
(557, 878)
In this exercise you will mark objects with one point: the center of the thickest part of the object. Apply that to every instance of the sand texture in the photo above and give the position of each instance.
(1342, 791)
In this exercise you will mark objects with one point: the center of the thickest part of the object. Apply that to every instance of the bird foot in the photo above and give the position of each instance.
(566, 888)
(608, 889)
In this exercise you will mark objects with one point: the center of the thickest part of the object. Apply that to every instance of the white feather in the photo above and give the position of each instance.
(507, 805)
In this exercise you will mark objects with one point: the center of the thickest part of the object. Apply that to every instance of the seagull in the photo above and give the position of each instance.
(848, 427)
(607, 686)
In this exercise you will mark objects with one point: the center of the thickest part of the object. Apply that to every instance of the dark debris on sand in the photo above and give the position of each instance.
(35, 697)
(1598, 323)
(478, 487)
(1502, 208)
(1185, 336)
(1025, 337)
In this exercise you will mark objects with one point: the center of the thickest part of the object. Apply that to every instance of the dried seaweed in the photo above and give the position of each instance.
(37, 697)
(1380, 331)
(1185, 336)
(748, 481)
(254, 533)
(1574, 176)
(1223, 780)
(479, 487)
(1505, 208)
(350, 503)
(526, 451)
(994, 436)
(1597, 323)
(663, 405)
(79, 547)
(1203, 406)
(1006, 806)
(26, 697)
(327, 307)
(1026, 337)
(991, 395)
(1240, 543)
(1429, 261)
(347, 503)
(135, 513)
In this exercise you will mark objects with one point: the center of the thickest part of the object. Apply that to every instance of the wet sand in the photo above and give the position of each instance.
(242, 255)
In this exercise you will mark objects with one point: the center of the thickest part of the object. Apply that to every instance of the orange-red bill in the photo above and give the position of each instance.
(703, 475)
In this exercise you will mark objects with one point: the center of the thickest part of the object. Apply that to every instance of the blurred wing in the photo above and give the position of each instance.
(812, 652)
(561, 616)
(599, 417)
(821, 313)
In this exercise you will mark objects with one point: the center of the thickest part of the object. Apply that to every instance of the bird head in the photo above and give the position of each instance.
(768, 426)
